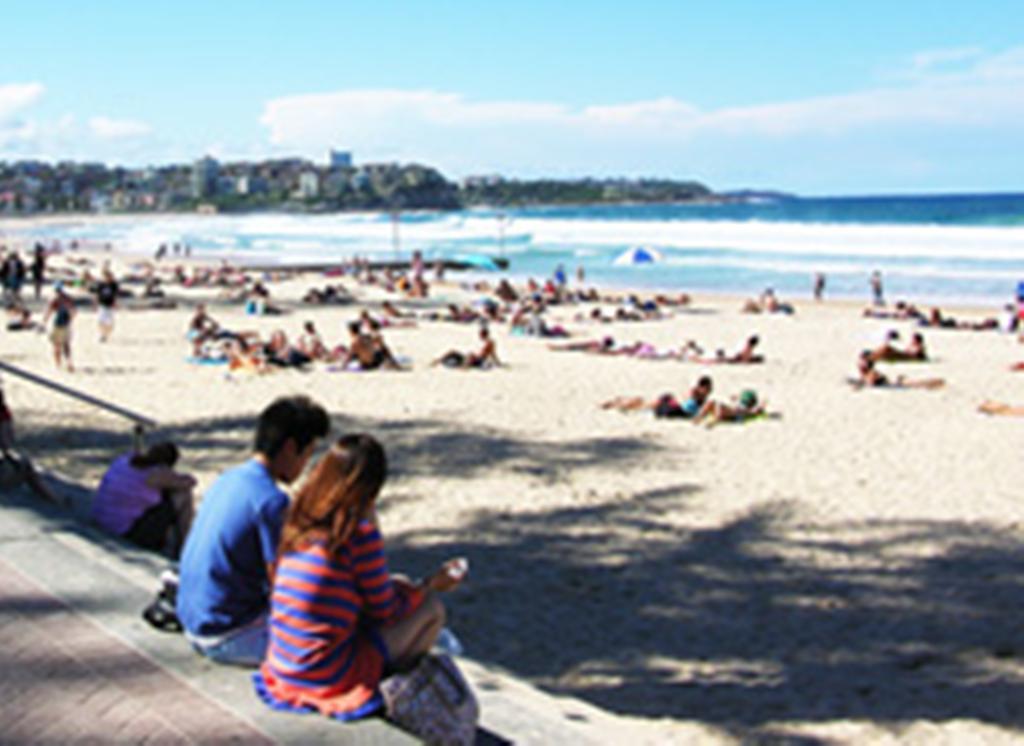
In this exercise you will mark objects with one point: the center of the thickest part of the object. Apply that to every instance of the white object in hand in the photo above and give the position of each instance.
(458, 567)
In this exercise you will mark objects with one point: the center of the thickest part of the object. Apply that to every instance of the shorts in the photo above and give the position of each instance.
(668, 407)
(151, 528)
(106, 316)
(60, 335)
(243, 646)
(453, 359)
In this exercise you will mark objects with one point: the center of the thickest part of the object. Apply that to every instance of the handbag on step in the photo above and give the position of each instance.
(433, 701)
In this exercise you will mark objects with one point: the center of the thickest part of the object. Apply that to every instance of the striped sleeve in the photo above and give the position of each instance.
(382, 601)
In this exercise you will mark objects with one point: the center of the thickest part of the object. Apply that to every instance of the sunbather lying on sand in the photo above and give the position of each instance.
(505, 292)
(1001, 408)
(870, 377)
(693, 406)
(375, 323)
(744, 407)
(887, 351)
(486, 357)
(20, 320)
(590, 345)
(691, 352)
(281, 353)
(767, 303)
(330, 294)
(747, 354)
(937, 319)
(368, 350)
(245, 358)
(389, 310)
(201, 328)
(902, 310)
(528, 319)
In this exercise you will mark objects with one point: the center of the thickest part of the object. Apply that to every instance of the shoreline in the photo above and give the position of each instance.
(273, 261)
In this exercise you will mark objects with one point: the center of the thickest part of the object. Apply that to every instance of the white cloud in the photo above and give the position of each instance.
(15, 97)
(106, 128)
(931, 61)
(953, 88)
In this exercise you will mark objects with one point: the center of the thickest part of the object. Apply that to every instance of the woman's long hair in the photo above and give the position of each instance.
(337, 495)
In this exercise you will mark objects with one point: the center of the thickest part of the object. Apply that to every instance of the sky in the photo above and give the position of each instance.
(807, 96)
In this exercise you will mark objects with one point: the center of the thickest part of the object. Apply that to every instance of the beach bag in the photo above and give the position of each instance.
(433, 701)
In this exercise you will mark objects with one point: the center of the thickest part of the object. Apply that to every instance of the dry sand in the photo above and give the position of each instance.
(851, 571)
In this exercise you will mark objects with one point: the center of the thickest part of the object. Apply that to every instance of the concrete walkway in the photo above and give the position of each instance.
(78, 664)
(64, 678)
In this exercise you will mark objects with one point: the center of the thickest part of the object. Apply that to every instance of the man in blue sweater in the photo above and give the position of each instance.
(224, 585)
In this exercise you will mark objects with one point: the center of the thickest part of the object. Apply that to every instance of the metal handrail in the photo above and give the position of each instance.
(141, 422)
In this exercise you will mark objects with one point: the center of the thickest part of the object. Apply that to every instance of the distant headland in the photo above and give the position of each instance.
(35, 187)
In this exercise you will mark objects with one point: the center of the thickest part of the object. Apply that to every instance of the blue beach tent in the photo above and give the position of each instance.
(638, 255)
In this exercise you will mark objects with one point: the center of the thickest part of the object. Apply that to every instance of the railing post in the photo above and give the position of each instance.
(138, 438)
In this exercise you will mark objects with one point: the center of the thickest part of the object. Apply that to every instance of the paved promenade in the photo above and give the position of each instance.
(79, 665)
(66, 679)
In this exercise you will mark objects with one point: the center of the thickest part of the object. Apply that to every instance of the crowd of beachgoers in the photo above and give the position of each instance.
(73, 282)
(298, 587)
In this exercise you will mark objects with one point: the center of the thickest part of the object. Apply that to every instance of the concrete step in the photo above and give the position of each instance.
(108, 582)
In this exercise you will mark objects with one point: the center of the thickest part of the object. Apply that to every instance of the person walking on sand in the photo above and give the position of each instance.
(876, 288)
(106, 302)
(13, 273)
(62, 309)
(819, 286)
(38, 269)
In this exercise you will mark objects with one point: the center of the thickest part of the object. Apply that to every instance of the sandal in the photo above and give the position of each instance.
(162, 615)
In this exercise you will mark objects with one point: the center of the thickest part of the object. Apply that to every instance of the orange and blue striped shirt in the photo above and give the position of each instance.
(324, 653)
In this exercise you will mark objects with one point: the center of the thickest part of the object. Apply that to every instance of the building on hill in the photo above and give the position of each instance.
(205, 172)
(340, 159)
(309, 185)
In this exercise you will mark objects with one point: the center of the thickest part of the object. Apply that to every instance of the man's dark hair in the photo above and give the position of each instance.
(298, 418)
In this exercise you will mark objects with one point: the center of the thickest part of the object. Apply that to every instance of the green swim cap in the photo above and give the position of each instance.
(748, 398)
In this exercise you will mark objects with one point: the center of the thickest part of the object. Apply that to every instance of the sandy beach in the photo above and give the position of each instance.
(849, 570)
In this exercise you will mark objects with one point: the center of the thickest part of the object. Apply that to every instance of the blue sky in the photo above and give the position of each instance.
(813, 97)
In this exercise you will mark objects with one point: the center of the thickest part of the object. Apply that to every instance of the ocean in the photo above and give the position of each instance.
(950, 249)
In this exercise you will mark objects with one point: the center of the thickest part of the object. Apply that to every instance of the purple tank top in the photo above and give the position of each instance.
(123, 496)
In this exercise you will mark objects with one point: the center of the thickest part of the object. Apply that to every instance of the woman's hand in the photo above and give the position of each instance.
(449, 576)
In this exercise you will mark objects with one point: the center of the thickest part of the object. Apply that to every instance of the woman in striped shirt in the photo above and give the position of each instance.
(339, 620)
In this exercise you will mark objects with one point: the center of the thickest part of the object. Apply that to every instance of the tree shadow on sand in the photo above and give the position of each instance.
(758, 621)
(418, 447)
(764, 619)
